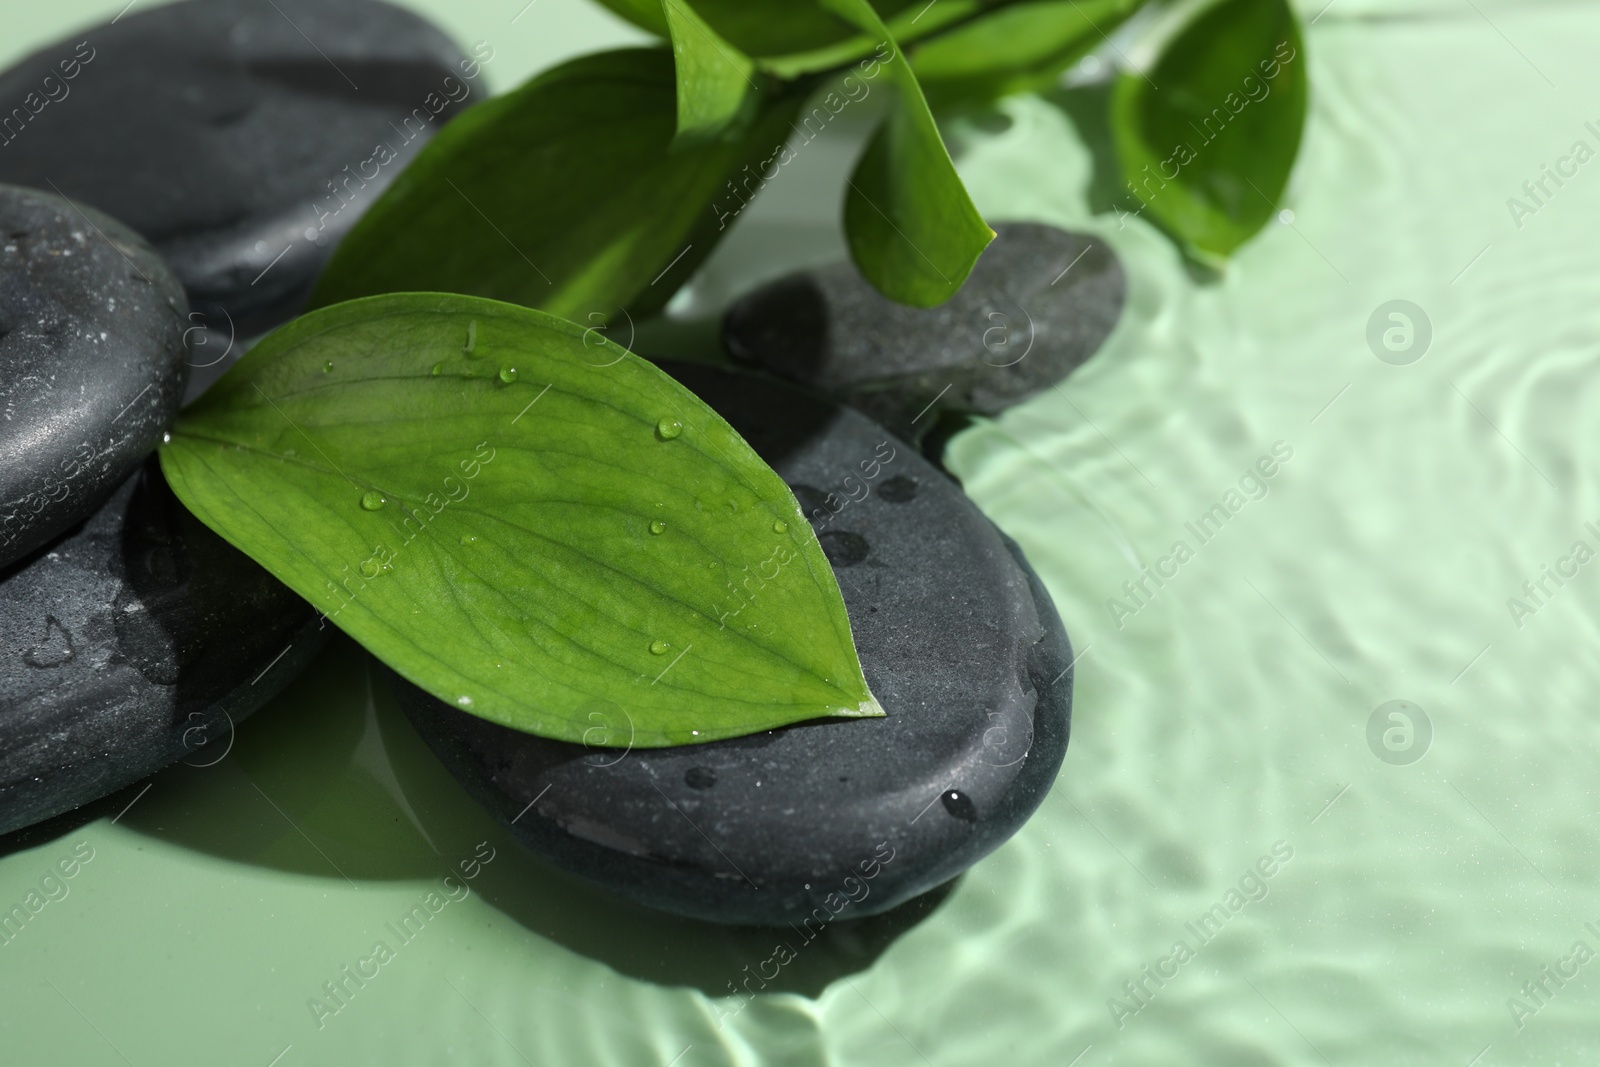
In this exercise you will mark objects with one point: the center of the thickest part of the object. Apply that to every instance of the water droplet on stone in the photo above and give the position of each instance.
(669, 428)
(54, 650)
(659, 648)
(700, 777)
(327, 368)
(372, 500)
(898, 490)
(959, 804)
(438, 369)
(779, 526)
(844, 549)
(657, 526)
(508, 374)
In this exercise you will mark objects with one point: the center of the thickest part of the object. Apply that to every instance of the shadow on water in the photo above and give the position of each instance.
(330, 780)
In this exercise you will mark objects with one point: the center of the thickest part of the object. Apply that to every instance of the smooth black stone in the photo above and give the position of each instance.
(961, 645)
(91, 362)
(135, 640)
(1037, 305)
(218, 129)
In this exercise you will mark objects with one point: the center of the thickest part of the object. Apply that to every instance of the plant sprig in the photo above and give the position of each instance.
(597, 185)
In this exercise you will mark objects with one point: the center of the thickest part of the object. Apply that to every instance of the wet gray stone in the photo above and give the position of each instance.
(91, 361)
(135, 640)
(1038, 304)
(222, 130)
(959, 641)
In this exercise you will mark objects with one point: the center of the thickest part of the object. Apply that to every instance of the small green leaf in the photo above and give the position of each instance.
(525, 520)
(1018, 48)
(565, 195)
(713, 77)
(763, 27)
(1208, 140)
(905, 25)
(913, 230)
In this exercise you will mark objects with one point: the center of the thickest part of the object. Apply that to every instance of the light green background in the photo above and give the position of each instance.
(1228, 715)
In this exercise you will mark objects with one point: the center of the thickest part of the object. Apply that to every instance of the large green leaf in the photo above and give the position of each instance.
(913, 230)
(523, 519)
(1208, 140)
(1018, 48)
(565, 195)
(713, 77)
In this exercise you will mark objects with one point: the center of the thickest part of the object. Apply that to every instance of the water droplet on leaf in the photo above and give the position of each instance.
(438, 369)
(327, 368)
(779, 526)
(659, 648)
(464, 701)
(369, 568)
(669, 428)
(657, 526)
(468, 540)
(472, 337)
(372, 500)
(508, 374)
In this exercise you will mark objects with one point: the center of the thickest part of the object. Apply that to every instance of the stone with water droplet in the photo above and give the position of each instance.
(668, 428)
(659, 648)
(85, 391)
(372, 500)
(963, 649)
(508, 374)
(657, 526)
(1038, 304)
(129, 643)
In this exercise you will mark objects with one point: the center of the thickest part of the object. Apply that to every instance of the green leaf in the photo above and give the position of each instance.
(541, 552)
(713, 77)
(645, 14)
(1208, 140)
(913, 230)
(762, 27)
(565, 195)
(1019, 48)
(905, 25)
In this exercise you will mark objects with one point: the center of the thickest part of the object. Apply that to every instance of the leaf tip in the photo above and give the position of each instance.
(867, 709)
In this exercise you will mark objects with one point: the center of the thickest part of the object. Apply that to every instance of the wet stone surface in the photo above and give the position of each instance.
(91, 362)
(1038, 304)
(959, 641)
(242, 138)
(133, 641)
